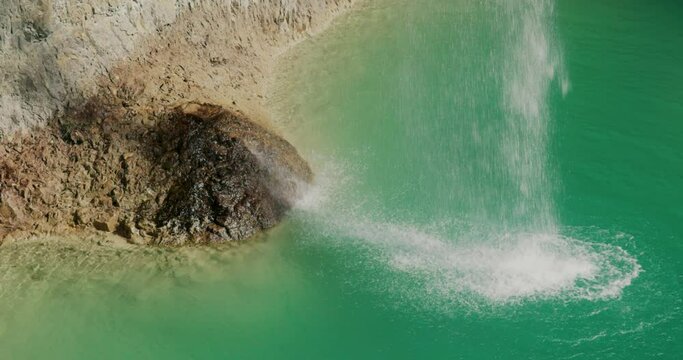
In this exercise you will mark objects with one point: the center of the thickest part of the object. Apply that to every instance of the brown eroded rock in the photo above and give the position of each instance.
(9, 207)
(193, 174)
(106, 224)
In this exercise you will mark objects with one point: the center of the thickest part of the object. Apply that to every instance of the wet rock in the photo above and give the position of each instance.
(218, 233)
(217, 172)
(195, 174)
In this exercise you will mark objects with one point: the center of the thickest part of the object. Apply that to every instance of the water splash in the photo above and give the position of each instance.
(503, 242)
(459, 264)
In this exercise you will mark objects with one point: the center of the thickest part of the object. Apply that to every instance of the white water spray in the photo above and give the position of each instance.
(512, 248)
(464, 267)
(532, 62)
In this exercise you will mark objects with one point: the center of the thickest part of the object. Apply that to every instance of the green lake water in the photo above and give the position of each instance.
(494, 180)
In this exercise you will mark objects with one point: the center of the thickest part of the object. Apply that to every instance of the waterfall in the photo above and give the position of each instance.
(478, 125)
(531, 64)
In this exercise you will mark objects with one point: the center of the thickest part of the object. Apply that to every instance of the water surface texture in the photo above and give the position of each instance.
(494, 179)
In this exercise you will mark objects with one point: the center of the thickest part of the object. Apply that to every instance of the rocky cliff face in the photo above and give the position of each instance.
(140, 117)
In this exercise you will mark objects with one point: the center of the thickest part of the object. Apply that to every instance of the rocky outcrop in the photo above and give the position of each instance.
(196, 174)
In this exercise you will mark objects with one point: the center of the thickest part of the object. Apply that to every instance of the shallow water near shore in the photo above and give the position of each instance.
(493, 180)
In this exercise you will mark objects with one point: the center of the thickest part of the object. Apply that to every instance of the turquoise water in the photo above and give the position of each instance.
(494, 179)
